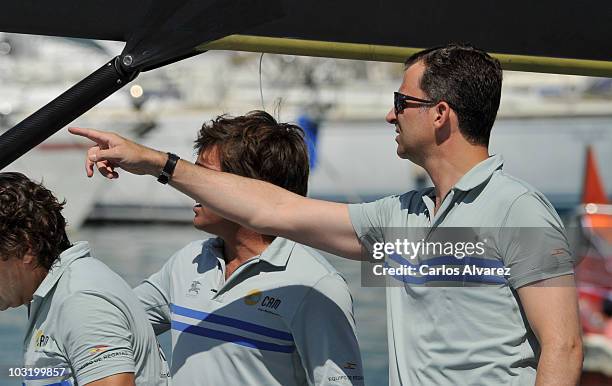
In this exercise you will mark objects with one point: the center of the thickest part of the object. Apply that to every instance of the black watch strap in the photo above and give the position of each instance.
(168, 170)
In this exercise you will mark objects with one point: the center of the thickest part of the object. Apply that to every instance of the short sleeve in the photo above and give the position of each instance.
(96, 337)
(533, 243)
(369, 219)
(324, 332)
(154, 294)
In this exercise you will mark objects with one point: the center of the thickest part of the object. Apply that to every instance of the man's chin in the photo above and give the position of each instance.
(401, 153)
(198, 226)
(208, 228)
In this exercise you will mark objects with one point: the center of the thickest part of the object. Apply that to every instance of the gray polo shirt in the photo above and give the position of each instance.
(87, 323)
(467, 330)
(284, 317)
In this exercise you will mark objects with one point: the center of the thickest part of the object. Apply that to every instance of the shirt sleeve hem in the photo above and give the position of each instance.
(105, 372)
(533, 277)
(354, 217)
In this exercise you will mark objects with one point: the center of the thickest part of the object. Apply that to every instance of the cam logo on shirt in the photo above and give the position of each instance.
(252, 297)
(270, 302)
(40, 339)
(266, 303)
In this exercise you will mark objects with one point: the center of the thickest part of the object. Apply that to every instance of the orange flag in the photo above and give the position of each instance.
(593, 190)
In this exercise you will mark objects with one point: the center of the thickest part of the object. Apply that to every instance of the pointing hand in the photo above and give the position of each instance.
(113, 151)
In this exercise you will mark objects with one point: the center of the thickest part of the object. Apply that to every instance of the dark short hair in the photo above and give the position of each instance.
(255, 145)
(30, 220)
(469, 80)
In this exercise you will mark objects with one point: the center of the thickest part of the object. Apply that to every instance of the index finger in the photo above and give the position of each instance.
(100, 137)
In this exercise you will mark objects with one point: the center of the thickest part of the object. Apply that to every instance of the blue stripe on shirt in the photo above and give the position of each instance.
(226, 321)
(233, 338)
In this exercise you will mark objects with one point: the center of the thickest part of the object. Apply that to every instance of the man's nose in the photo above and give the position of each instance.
(391, 117)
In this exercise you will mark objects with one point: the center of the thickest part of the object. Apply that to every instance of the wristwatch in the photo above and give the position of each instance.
(168, 170)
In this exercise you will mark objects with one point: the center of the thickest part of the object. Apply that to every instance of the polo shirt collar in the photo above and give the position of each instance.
(77, 251)
(277, 253)
(480, 173)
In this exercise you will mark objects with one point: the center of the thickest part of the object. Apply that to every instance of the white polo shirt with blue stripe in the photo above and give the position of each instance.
(85, 324)
(284, 317)
(468, 328)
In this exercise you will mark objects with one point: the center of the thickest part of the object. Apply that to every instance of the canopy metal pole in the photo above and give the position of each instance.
(382, 53)
(64, 109)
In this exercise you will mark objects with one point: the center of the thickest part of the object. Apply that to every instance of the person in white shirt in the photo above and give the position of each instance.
(86, 325)
(245, 308)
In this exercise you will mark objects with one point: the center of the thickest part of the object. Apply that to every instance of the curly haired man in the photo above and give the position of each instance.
(85, 323)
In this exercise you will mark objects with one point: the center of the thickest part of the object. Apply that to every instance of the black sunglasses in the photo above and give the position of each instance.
(400, 101)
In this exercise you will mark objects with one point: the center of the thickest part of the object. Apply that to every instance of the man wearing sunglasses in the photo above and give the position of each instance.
(518, 328)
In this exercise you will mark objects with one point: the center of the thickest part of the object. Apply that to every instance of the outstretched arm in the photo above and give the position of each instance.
(261, 206)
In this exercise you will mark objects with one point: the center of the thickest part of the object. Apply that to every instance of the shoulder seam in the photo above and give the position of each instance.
(168, 301)
(505, 220)
(524, 184)
(511, 206)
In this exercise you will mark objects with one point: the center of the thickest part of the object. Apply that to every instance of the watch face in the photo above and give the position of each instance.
(163, 178)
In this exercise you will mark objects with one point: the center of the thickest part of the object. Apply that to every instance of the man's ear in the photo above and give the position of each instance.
(29, 259)
(441, 113)
(441, 122)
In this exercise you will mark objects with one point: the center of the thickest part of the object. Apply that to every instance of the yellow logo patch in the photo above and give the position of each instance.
(252, 297)
(40, 339)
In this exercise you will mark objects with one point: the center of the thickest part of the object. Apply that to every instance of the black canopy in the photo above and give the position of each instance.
(542, 35)
(543, 28)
